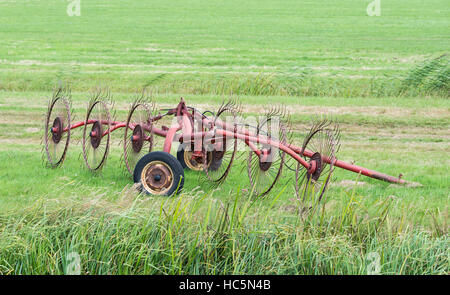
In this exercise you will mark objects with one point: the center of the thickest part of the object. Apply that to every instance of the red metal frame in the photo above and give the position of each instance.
(186, 117)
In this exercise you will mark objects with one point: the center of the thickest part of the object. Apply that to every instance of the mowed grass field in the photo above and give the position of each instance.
(315, 57)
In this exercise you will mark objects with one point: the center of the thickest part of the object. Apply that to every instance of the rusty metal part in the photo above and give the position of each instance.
(196, 162)
(192, 152)
(218, 155)
(264, 165)
(96, 142)
(157, 177)
(316, 167)
(137, 139)
(96, 134)
(57, 130)
(58, 117)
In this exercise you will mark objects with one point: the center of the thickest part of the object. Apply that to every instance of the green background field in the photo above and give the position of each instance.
(323, 47)
(316, 57)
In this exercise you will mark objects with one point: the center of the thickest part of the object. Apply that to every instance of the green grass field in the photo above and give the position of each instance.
(380, 77)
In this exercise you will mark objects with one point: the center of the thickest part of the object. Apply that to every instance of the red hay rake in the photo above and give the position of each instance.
(208, 142)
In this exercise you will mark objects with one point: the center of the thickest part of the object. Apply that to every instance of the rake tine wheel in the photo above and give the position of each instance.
(223, 150)
(138, 138)
(57, 119)
(96, 132)
(323, 141)
(265, 170)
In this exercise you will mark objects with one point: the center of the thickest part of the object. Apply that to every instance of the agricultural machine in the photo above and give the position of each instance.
(208, 142)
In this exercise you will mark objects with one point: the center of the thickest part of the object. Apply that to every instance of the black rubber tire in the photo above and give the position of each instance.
(180, 156)
(177, 169)
(215, 164)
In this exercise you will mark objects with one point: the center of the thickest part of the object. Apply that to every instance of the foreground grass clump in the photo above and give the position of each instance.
(201, 234)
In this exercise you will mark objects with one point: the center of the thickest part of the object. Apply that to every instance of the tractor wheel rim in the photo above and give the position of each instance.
(157, 177)
(193, 163)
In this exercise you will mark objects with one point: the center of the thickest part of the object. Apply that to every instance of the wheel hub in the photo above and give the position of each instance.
(57, 130)
(218, 155)
(195, 162)
(137, 139)
(96, 134)
(158, 177)
(263, 164)
(317, 158)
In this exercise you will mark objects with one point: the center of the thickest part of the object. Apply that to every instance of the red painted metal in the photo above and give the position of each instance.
(354, 168)
(368, 172)
(170, 138)
(186, 116)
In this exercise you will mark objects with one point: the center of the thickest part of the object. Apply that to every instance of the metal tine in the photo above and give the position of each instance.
(317, 125)
(237, 104)
(331, 126)
(222, 107)
(64, 90)
(103, 93)
(144, 97)
(100, 93)
(336, 136)
(232, 104)
(283, 113)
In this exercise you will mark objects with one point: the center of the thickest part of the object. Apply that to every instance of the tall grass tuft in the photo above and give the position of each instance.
(200, 234)
(431, 76)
